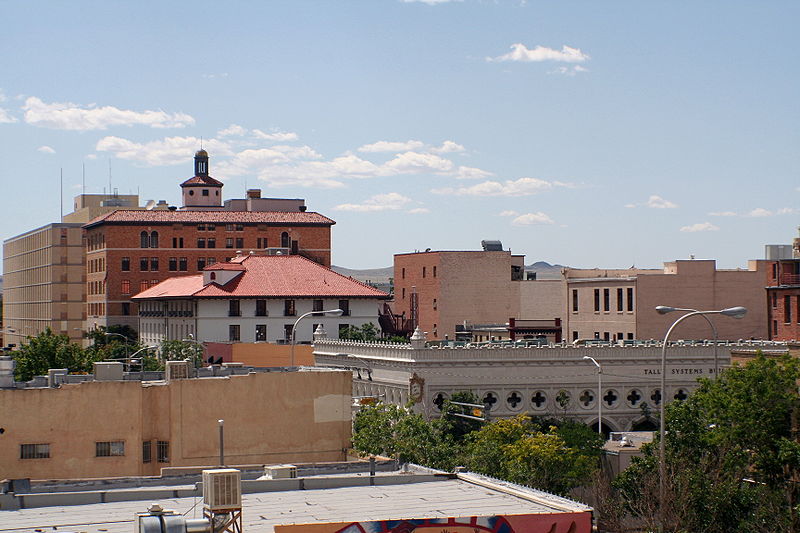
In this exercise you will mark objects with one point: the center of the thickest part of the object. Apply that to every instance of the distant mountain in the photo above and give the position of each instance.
(372, 275)
(545, 270)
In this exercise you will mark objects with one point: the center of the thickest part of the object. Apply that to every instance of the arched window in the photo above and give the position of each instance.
(284, 240)
(144, 240)
(154, 239)
(213, 276)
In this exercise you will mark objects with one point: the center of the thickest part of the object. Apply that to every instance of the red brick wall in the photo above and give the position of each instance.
(121, 241)
(784, 326)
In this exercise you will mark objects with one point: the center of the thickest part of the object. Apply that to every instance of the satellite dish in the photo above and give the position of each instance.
(150, 205)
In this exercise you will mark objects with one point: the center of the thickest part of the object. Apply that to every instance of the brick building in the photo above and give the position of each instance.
(128, 251)
(783, 299)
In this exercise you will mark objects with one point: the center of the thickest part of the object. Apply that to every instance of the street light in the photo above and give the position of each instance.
(664, 309)
(733, 312)
(599, 393)
(202, 350)
(109, 333)
(331, 312)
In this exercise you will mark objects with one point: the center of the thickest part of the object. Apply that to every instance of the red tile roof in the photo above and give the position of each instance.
(274, 276)
(225, 266)
(202, 180)
(124, 216)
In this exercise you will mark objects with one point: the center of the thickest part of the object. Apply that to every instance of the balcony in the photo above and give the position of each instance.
(789, 279)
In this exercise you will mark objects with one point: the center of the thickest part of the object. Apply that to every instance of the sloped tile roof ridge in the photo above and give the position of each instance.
(202, 180)
(329, 269)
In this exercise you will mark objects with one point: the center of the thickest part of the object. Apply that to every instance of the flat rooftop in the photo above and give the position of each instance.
(396, 495)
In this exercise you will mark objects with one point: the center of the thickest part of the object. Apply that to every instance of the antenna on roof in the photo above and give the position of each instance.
(83, 177)
(201, 142)
(61, 197)
(109, 175)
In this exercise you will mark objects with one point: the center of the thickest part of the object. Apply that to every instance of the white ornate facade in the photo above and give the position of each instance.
(517, 379)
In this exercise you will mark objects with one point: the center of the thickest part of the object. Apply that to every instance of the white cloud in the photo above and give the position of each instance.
(6, 118)
(391, 146)
(722, 214)
(520, 187)
(46, 150)
(630, 206)
(519, 52)
(91, 156)
(419, 211)
(276, 136)
(509, 213)
(448, 147)
(657, 202)
(700, 226)
(233, 129)
(787, 211)
(415, 163)
(569, 71)
(213, 76)
(67, 116)
(167, 151)
(471, 173)
(531, 219)
(759, 212)
(2, 96)
(380, 202)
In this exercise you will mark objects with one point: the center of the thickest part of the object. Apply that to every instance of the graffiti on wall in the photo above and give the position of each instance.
(530, 523)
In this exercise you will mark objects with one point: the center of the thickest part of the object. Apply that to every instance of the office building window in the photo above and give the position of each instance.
(288, 308)
(284, 240)
(317, 307)
(619, 300)
(287, 332)
(574, 335)
(126, 308)
(173, 264)
(630, 336)
(143, 285)
(144, 240)
(606, 336)
(143, 264)
(261, 308)
(606, 300)
(110, 449)
(201, 263)
(177, 242)
(239, 242)
(597, 300)
(34, 451)
(234, 308)
(162, 451)
(154, 239)
(201, 243)
(403, 273)
(261, 332)
(229, 242)
(404, 293)
(787, 309)
(212, 243)
(423, 272)
(434, 271)
(630, 298)
(234, 333)
(574, 300)
(125, 286)
(154, 264)
(126, 264)
(344, 305)
(183, 264)
(239, 227)
(147, 453)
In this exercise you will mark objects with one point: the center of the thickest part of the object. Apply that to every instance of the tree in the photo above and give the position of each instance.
(177, 350)
(732, 454)
(456, 426)
(522, 451)
(46, 351)
(367, 332)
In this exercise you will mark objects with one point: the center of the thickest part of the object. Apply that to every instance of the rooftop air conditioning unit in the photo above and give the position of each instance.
(222, 489)
(176, 370)
(280, 471)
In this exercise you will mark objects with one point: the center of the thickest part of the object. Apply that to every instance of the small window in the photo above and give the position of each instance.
(144, 240)
(344, 305)
(205, 192)
(173, 264)
(201, 227)
(284, 240)
(423, 271)
(143, 285)
(34, 451)
(434, 303)
(144, 263)
(239, 227)
(630, 298)
(126, 308)
(154, 239)
(126, 264)
(201, 263)
(234, 308)
(574, 300)
(434, 271)
(125, 286)
(239, 242)
(288, 308)
(317, 307)
(201, 243)
(162, 451)
(606, 300)
(212, 243)
(183, 264)
(574, 335)
(619, 300)
(234, 333)
(229, 242)
(261, 308)
(403, 273)
(110, 449)
(211, 227)
(261, 332)
(154, 264)
(147, 452)
(597, 300)
(787, 309)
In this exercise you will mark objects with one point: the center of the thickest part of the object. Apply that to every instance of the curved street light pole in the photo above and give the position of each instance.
(599, 393)
(331, 312)
(127, 351)
(734, 312)
(663, 310)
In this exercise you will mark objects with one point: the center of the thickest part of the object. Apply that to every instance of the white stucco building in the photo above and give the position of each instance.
(514, 378)
(255, 298)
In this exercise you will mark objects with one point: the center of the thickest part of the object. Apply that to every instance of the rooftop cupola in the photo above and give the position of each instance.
(201, 191)
(201, 163)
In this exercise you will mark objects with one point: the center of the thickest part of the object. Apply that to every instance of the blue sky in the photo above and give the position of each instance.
(584, 133)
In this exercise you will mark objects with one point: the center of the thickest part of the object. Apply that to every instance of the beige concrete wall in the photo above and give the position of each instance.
(587, 322)
(269, 418)
(541, 299)
(696, 284)
(44, 274)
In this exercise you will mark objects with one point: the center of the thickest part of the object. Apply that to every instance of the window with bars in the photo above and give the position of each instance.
(162, 451)
(288, 308)
(234, 333)
(234, 308)
(261, 308)
(261, 332)
(147, 451)
(110, 448)
(126, 286)
(34, 451)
